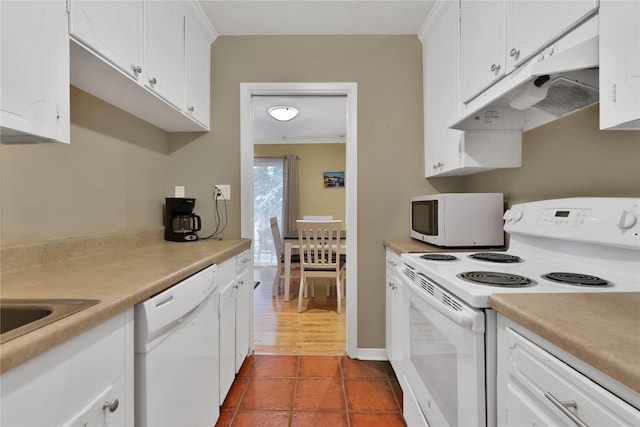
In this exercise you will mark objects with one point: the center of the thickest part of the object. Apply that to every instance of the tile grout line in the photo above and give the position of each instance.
(295, 389)
(250, 374)
(344, 392)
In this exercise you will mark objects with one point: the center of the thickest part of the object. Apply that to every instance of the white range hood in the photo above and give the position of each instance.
(558, 81)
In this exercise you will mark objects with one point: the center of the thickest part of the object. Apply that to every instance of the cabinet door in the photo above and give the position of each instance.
(620, 65)
(441, 98)
(525, 34)
(482, 45)
(534, 387)
(34, 74)
(244, 292)
(197, 69)
(227, 313)
(69, 384)
(394, 310)
(164, 50)
(111, 29)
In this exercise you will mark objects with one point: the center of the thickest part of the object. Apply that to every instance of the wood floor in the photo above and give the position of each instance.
(280, 329)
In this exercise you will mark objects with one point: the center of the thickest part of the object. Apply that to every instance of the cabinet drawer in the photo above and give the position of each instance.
(540, 389)
(243, 261)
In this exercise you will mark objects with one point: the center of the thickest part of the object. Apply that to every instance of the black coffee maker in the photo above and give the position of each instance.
(181, 223)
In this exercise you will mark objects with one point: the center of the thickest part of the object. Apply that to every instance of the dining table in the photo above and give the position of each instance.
(292, 245)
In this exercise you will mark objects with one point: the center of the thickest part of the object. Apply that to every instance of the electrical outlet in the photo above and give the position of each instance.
(225, 190)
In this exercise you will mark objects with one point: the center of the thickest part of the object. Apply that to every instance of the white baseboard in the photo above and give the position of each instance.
(372, 354)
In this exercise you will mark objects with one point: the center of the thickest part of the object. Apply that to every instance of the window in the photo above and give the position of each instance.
(268, 179)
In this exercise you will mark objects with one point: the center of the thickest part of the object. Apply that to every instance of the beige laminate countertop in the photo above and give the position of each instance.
(601, 329)
(120, 279)
(407, 245)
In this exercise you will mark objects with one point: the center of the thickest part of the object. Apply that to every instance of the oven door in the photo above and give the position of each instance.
(444, 355)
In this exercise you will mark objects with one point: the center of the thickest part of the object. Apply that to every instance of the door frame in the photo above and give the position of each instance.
(350, 90)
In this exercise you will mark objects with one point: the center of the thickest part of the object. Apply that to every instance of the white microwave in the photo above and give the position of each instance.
(458, 219)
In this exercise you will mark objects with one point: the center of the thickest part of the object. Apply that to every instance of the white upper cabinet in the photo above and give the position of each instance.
(498, 36)
(112, 30)
(442, 145)
(449, 151)
(533, 25)
(620, 65)
(145, 57)
(198, 69)
(482, 44)
(34, 72)
(164, 50)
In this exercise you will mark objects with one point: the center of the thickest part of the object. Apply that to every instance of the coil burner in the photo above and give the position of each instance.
(493, 278)
(496, 257)
(439, 257)
(576, 279)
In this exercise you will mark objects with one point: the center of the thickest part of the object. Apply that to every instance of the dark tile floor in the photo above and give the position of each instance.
(313, 391)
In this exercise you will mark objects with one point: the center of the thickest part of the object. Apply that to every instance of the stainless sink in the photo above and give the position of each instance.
(20, 316)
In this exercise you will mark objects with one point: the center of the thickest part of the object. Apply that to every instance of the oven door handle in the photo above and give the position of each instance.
(461, 315)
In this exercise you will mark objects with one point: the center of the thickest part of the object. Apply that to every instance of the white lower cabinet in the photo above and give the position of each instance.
(535, 387)
(85, 381)
(394, 326)
(244, 304)
(236, 316)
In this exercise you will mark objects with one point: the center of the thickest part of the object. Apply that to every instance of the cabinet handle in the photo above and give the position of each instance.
(136, 69)
(562, 406)
(514, 53)
(495, 68)
(153, 81)
(111, 406)
(190, 109)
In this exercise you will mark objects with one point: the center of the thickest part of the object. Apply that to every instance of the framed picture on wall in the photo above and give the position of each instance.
(334, 179)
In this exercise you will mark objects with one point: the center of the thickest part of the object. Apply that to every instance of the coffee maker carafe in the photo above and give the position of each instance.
(181, 223)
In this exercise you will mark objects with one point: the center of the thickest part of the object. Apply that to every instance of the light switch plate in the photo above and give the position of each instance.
(226, 191)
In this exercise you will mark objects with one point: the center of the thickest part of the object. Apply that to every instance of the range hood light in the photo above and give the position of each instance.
(283, 113)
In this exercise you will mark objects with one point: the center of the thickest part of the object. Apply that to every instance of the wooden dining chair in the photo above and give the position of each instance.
(279, 244)
(320, 255)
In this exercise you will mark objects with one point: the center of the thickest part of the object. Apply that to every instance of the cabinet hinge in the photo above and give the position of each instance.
(67, 6)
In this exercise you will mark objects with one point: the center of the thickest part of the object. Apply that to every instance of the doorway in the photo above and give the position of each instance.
(349, 90)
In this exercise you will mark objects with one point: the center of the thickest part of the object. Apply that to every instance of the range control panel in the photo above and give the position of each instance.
(563, 217)
(610, 221)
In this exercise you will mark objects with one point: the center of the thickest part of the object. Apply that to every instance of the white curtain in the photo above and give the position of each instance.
(290, 208)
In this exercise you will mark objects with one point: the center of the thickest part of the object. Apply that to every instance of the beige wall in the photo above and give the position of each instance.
(388, 71)
(313, 161)
(568, 158)
(111, 178)
(117, 170)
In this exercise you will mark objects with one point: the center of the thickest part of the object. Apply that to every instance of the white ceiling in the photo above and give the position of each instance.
(321, 119)
(244, 17)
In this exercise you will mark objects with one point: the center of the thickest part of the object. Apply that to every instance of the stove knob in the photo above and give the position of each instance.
(627, 220)
(517, 215)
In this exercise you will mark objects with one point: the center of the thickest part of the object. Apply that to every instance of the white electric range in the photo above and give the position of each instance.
(563, 245)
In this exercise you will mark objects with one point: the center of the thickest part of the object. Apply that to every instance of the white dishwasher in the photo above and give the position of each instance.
(177, 354)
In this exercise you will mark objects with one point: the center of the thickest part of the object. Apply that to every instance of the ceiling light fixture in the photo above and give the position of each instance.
(283, 113)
